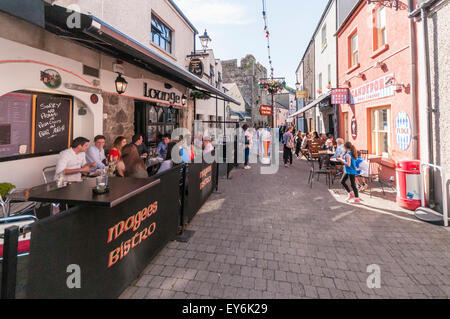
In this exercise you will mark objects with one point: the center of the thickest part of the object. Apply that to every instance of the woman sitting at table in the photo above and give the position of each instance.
(168, 163)
(116, 150)
(130, 164)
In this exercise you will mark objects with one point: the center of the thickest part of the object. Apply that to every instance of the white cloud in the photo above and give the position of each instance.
(215, 12)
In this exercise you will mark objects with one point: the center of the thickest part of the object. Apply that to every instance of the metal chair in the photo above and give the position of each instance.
(324, 171)
(374, 171)
(49, 173)
(11, 207)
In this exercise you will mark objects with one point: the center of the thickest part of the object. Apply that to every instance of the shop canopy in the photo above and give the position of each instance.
(311, 105)
(96, 34)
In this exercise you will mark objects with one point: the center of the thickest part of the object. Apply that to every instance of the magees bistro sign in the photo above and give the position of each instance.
(152, 93)
(372, 91)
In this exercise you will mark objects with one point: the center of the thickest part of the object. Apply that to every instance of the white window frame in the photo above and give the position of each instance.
(374, 125)
(354, 50)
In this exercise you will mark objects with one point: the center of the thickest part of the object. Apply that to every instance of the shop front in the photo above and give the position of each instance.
(377, 119)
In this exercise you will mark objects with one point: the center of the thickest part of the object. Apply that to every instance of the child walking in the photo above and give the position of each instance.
(349, 162)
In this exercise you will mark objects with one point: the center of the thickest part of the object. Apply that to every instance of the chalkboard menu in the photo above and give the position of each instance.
(15, 124)
(53, 123)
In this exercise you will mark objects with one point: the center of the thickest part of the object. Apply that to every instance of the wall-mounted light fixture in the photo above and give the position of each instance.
(183, 100)
(361, 76)
(121, 84)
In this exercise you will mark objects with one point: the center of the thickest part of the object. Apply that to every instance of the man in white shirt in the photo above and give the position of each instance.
(72, 161)
(96, 153)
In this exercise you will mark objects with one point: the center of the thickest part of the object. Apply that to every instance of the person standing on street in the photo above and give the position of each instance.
(349, 162)
(248, 139)
(288, 145)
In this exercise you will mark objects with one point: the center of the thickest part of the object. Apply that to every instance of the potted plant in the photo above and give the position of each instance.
(5, 188)
(319, 91)
(329, 85)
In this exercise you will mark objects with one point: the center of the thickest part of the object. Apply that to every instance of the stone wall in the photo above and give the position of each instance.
(120, 117)
(247, 76)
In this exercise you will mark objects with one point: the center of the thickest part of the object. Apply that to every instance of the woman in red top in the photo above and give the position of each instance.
(116, 150)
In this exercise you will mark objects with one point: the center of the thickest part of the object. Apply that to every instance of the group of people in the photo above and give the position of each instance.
(128, 160)
(355, 167)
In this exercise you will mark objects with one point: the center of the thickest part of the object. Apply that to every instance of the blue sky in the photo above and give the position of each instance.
(236, 28)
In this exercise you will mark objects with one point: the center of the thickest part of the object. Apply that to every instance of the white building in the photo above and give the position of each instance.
(234, 111)
(325, 68)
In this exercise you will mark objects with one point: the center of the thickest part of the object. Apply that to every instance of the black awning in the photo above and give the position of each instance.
(98, 35)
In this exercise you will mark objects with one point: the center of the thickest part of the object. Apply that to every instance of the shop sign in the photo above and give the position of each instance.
(51, 78)
(403, 130)
(302, 94)
(161, 95)
(265, 110)
(372, 91)
(339, 96)
(196, 67)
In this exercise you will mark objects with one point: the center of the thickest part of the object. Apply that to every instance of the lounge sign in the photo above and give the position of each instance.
(372, 91)
(152, 93)
(196, 67)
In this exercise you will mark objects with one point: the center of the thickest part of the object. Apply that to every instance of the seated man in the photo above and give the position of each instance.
(96, 153)
(161, 150)
(72, 161)
(138, 141)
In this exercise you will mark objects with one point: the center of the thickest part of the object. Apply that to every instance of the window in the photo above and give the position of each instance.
(381, 132)
(354, 50)
(320, 81)
(161, 35)
(380, 28)
(329, 74)
(324, 36)
(160, 120)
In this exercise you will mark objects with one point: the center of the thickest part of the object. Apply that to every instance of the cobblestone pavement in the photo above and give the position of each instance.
(271, 236)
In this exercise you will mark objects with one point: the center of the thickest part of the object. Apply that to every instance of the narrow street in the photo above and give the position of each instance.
(272, 236)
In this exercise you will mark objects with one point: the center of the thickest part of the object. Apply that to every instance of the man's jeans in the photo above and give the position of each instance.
(247, 154)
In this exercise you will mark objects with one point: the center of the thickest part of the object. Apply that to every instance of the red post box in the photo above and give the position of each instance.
(409, 192)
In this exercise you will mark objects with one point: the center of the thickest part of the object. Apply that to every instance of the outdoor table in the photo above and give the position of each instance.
(112, 237)
(81, 194)
(153, 164)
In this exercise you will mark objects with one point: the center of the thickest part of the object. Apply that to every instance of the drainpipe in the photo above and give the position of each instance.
(414, 102)
(429, 107)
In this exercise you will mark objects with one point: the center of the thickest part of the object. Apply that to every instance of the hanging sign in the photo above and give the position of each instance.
(403, 130)
(302, 94)
(372, 91)
(196, 67)
(339, 96)
(265, 110)
(354, 127)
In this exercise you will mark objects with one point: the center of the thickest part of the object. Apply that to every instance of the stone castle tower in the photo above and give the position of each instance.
(247, 76)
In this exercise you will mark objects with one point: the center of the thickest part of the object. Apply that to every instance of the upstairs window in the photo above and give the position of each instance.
(380, 28)
(354, 50)
(324, 36)
(161, 35)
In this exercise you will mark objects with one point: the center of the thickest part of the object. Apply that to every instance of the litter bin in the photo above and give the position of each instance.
(409, 193)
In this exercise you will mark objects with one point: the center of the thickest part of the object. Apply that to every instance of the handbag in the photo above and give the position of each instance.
(290, 143)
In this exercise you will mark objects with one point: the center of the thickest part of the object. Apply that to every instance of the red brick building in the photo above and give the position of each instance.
(374, 64)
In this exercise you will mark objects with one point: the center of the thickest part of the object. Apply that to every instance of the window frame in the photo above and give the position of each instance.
(162, 33)
(375, 132)
(378, 28)
(324, 36)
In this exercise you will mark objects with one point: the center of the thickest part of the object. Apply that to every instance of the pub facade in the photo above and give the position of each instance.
(65, 81)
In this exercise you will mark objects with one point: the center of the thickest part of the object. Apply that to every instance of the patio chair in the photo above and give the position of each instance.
(49, 173)
(317, 172)
(12, 207)
(374, 172)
